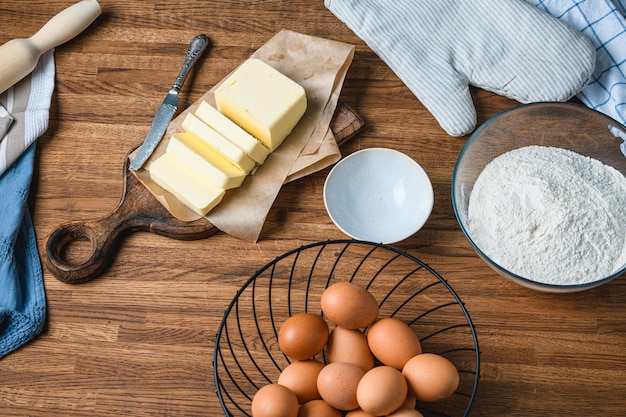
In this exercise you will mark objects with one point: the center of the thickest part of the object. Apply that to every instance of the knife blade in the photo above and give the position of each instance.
(168, 108)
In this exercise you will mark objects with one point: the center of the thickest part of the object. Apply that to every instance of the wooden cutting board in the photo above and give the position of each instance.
(139, 210)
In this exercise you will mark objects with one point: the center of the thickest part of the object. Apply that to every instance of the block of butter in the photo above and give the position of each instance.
(263, 101)
(206, 161)
(195, 191)
(230, 151)
(233, 132)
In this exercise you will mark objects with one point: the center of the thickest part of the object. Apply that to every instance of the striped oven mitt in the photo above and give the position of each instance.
(24, 111)
(438, 48)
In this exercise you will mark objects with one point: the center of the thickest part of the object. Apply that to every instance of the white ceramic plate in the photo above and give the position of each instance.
(378, 195)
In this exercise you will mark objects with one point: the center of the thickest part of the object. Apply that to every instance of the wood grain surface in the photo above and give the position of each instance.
(138, 340)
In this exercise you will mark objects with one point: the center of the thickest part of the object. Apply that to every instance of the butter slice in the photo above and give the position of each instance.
(191, 188)
(230, 151)
(263, 101)
(206, 161)
(231, 131)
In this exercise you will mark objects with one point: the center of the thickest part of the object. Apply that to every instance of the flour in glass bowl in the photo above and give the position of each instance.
(550, 215)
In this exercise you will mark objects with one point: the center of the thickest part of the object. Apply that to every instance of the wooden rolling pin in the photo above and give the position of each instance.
(18, 57)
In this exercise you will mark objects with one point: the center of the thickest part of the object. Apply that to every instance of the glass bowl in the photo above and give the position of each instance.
(561, 125)
(247, 355)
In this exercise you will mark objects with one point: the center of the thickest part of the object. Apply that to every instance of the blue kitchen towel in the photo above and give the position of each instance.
(25, 111)
(604, 24)
(22, 297)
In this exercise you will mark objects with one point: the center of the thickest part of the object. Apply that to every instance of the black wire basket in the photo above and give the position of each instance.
(247, 355)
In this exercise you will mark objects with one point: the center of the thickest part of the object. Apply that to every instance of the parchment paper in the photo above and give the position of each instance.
(320, 66)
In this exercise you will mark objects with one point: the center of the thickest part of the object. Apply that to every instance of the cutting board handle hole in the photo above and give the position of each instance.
(74, 254)
(77, 252)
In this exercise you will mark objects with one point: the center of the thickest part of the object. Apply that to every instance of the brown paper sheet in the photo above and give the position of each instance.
(320, 66)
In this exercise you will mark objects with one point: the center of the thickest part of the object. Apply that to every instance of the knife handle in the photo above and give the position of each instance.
(197, 46)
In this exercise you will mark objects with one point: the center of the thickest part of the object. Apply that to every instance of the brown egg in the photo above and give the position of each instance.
(301, 378)
(410, 401)
(337, 384)
(393, 342)
(406, 412)
(358, 413)
(381, 390)
(349, 345)
(274, 400)
(431, 377)
(349, 305)
(303, 335)
(318, 408)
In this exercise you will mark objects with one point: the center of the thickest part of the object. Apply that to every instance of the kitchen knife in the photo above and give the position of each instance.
(168, 108)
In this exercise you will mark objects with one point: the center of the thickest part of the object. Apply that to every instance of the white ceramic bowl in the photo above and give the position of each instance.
(378, 195)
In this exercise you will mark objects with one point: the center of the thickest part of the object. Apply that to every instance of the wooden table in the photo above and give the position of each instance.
(138, 341)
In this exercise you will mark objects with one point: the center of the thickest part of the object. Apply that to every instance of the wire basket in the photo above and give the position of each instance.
(247, 355)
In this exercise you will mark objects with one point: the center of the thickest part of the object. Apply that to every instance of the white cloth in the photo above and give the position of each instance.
(24, 111)
(604, 24)
(439, 48)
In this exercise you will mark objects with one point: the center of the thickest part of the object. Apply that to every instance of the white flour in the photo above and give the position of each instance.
(550, 215)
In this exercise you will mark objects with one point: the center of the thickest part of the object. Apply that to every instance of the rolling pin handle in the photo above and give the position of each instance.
(66, 25)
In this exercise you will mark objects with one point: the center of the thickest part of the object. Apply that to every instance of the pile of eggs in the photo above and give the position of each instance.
(382, 372)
